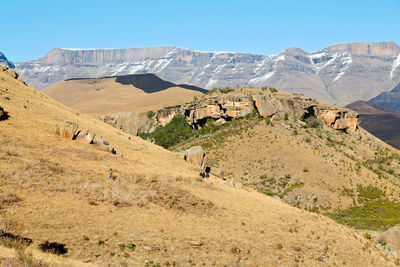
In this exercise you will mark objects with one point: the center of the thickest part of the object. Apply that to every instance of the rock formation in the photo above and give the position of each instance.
(86, 135)
(104, 145)
(125, 121)
(196, 156)
(233, 106)
(67, 129)
(70, 130)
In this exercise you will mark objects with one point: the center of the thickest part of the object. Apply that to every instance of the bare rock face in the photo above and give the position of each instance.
(126, 121)
(165, 115)
(196, 156)
(265, 108)
(223, 108)
(340, 119)
(67, 129)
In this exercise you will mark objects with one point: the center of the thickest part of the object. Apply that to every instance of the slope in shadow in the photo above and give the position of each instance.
(382, 122)
(151, 83)
(389, 99)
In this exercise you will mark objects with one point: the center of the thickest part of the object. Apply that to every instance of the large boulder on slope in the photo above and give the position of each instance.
(86, 135)
(196, 156)
(67, 129)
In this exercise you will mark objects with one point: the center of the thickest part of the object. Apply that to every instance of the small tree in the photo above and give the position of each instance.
(150, 114)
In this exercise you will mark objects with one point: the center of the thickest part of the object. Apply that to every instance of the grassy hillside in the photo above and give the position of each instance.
(307, 164)
(156, 211)
(137, 93)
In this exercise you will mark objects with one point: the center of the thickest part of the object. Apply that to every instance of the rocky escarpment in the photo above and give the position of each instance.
(338, 74)
(224, 108)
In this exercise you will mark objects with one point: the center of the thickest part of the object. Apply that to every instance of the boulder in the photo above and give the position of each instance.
(67, 129)
(341, 124)
(265, 108)
(125, 121)
(217, 172)
(86, 135)
(104, 145)
(196, 156)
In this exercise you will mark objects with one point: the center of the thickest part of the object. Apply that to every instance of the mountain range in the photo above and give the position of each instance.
(338, 74)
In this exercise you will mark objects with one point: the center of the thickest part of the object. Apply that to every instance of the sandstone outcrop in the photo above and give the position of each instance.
(67, 129)
(70, 130)
(196, 156)
(105, 145)
(125, 121)
(275, 106)
(86, 135)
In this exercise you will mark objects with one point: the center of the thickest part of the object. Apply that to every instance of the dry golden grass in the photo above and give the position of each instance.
(156, 202)
(108, 96)
(285, 148)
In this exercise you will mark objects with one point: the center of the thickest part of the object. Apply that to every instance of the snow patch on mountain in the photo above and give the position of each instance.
(395, 65)
(259, 70)
(346, 61)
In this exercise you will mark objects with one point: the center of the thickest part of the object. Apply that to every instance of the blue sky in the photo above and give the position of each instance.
(31, 28)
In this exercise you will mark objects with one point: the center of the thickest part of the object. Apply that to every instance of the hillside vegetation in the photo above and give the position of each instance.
(304, 162)
(55, 196)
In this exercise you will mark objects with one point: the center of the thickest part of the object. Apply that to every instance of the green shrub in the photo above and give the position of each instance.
(131, 246)
(308, 140)
(150, 114)
(377, 215)
(313, 122)
(367, 235)
(273, 90)
(234, 250)
(305, 169)
(175, 131)
(368, 193)
(286, 117)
